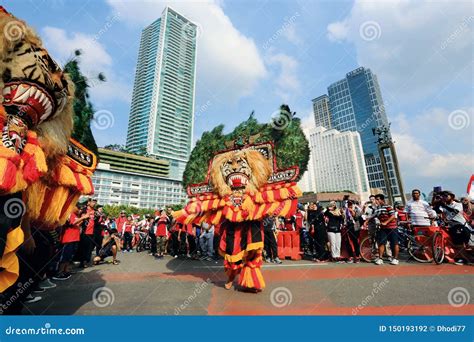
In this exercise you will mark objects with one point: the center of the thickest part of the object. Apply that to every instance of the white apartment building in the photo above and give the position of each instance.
(336, 163)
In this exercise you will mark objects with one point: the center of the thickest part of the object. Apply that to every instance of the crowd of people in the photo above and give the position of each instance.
(328, 230)
(91, 237)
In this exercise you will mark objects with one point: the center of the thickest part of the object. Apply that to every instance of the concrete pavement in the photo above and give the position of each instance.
(142, 285)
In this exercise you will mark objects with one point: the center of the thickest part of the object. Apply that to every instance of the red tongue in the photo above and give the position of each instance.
(236, 182)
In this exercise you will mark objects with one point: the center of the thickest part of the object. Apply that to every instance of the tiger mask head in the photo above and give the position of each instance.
(239, 171)
(34, 88)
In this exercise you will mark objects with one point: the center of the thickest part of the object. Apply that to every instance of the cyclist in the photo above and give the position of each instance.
(459, 230)
(388, 229)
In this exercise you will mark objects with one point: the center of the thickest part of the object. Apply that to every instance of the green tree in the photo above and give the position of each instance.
(83, 108)
(117, 148)
(204, 150)
(114, 210)
(291, 146)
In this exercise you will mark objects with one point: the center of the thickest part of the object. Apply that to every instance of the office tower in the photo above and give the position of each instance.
(162, 110)
(356, 104)
(336, 163)
(322, 112)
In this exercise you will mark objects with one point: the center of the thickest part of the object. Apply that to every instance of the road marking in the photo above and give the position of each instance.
(267, 266)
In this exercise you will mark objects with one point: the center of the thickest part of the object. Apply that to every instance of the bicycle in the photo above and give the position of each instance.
(416, 243)
(369, 249)
(444, 248)
(420, 251)
(143, 242)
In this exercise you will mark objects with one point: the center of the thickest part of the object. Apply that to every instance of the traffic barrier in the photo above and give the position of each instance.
(289, 245)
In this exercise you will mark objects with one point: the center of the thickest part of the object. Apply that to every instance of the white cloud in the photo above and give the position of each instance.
(416, 47)
(229, 65)
(429, 146)
(287, 84)
(337, 31)
(418, 162)
(292, 35)
(94, 59)
(64, 45)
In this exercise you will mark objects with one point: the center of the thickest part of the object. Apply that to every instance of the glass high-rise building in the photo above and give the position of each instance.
(322, 112)
(356, 104)
(162, 111)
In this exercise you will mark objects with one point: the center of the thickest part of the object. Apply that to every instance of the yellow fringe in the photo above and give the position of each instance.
(66, 176)
(68, 211)
(34, 197)
(54, 208)
(9, 260)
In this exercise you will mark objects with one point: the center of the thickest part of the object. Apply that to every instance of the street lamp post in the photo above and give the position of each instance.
(385, 142)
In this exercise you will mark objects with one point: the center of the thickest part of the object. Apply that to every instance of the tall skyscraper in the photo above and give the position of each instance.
(336, 163)
(162, 111)
(356, 104)
(322, 112)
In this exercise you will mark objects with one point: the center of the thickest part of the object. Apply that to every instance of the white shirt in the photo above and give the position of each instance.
(455, 216)
(420, 212)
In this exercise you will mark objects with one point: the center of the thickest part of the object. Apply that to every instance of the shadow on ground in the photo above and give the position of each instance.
(70, 295)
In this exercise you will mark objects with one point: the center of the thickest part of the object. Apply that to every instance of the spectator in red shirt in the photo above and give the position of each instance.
(128, 230)
(87, 243)
(119, 222)
(388, 229)
(70, 237)
(161, 233)
(289, 223)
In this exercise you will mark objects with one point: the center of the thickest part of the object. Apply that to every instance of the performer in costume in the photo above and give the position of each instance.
(39, 163)
(242, 187)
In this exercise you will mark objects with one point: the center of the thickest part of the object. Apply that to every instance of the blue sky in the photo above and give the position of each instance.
(255, 55)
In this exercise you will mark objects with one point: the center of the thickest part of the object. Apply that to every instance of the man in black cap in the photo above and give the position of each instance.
(99, 227)
(458, 228)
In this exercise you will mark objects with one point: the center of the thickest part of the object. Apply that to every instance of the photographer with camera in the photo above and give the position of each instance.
(459, 229)
(99, 227)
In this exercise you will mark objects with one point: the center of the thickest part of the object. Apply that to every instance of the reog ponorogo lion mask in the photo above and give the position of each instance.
(242, 183)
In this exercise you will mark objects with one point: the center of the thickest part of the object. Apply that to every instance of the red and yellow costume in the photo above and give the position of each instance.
(42, 171)
(242, 187)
